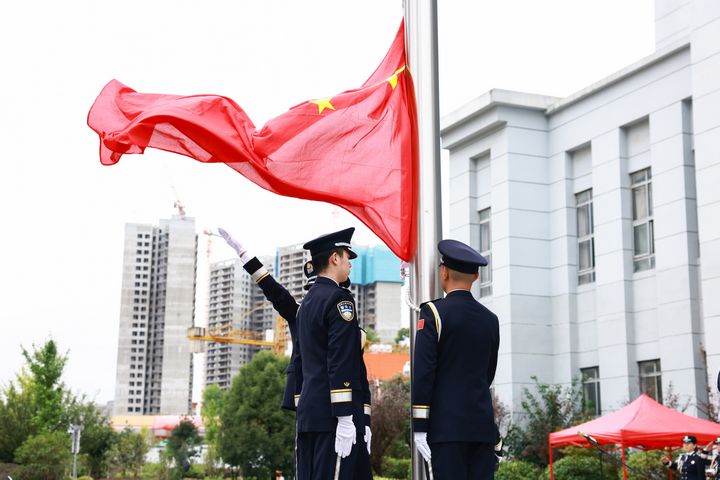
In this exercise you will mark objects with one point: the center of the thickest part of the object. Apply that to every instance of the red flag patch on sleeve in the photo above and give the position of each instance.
(421, 324)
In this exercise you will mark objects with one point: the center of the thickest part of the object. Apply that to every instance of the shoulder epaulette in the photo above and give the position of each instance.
(436, 314)
(430, 301)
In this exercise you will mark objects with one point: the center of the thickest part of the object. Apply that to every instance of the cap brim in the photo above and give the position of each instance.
(351, 254)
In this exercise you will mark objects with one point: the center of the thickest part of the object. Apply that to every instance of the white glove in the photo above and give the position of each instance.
(235, 245)
(344, 436)
(498, 449)
(368, 437)
(422, 445)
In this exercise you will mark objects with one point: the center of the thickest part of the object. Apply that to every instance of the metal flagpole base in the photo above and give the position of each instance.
(337, 467)
(430, 471)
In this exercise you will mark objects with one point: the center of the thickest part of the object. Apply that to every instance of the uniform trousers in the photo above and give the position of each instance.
(318, 460)
(463, 461)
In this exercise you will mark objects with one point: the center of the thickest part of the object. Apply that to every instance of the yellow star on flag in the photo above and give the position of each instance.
(322, 104)
(394, 78)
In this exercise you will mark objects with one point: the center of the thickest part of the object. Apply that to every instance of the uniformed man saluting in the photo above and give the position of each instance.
(282, 301)
(690, 465)
(456, 350)
(333, 430)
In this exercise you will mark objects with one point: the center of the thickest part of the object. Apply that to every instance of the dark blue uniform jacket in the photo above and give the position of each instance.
(330, 371)
(693, 467)
(456, 351)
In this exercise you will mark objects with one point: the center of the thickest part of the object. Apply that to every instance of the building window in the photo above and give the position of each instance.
(591, 390)
(485, 251)
(651, 379)
(643, 228)
(585, 236)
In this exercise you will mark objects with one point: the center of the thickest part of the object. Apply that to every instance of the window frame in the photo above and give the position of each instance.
(485, 277)
(641, 181)
(586, 275)
(655, 376)
(594, 381)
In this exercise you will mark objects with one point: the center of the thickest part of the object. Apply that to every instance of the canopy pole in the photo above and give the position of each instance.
(623, 462)
(551, 467)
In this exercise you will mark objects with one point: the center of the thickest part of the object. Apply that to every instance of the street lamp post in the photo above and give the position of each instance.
(75, 432)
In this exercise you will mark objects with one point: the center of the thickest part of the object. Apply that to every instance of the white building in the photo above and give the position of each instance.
(154, 364)
(600, 213)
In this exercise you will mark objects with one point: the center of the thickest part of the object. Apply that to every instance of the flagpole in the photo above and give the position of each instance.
(422, 48)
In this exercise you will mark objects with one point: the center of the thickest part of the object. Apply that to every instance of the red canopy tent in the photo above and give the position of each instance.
(643, 424)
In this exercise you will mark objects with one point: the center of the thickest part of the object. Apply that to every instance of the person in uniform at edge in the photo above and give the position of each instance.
(711, 456)
(456, 351)
(282, 301)
(333, 439)
(690, 465)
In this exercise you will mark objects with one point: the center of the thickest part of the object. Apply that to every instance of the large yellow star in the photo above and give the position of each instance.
(322, 104)
(394, 78)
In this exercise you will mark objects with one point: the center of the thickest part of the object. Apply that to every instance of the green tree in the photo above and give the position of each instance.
(16, 413)
(257, 435)
(551, 409)
(127, 452)
(45, 456)
(97, 436)
(213, 401)
(390, 421)
(402, 334)
(36, 401)
(180, 444)
(372, 335)
(45, 365)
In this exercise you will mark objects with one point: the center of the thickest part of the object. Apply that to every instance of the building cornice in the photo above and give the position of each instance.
(547, 104)
(620, 75)
(494, 98)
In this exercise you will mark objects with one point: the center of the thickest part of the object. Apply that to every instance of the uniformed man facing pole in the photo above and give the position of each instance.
(333, 430)
(690, 465)
(456, 351)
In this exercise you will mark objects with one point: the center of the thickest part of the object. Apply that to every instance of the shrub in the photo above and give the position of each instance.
(548, 409)
(397, 468)
(85, 477)
(517, 470)
(155, 471)
(646, 464)
(581, 467)
(44, 457)
(196, 471)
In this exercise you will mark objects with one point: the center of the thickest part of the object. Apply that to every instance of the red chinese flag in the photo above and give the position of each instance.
(357, 150)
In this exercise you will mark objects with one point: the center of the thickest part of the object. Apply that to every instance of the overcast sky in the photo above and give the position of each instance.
(64, 213)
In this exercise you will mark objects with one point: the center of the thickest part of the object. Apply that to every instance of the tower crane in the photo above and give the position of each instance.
(226, 334)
